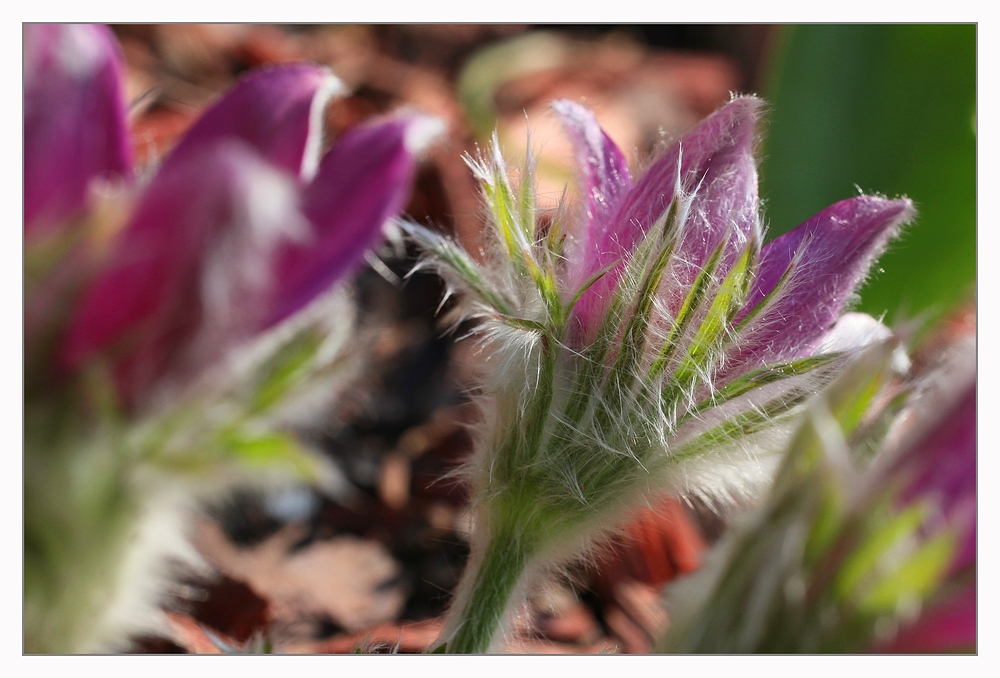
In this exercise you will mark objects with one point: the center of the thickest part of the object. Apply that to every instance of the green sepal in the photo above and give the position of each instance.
(714, 329)
(522, 323)
(647, 265)
(526, 196)
(742, 425)
(768, 375)
(459, 263)
(692, 302)
(768, 299)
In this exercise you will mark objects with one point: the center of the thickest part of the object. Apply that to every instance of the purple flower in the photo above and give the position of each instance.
(642, 340)
(846, 555)
(241, 226)
(75, 127)
(820, 263)
(937, 468)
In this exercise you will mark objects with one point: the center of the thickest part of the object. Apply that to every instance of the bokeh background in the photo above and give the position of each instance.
(877, 108)
(880, 108)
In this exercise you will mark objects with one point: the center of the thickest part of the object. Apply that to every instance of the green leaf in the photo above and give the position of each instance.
(458, 262)
(862, 563)
(283, 370)
(890, 109)
(269, 449)
(915, 578)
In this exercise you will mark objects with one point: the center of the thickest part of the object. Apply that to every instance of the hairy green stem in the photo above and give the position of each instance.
(478, 616)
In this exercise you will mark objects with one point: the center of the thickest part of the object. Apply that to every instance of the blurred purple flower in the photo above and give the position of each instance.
(938, 466)
(242, 225)
(75, 126)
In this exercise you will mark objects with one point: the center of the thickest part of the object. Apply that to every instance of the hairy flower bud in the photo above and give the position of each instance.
(646, 340)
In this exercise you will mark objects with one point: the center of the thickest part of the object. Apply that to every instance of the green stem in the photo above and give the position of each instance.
(478, 616)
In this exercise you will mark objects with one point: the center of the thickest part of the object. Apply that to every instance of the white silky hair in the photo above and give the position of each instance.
(157, 547)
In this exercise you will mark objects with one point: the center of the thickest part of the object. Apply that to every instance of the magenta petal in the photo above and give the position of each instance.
(949, 626)
(604, 179)
(834, 251)
(192, 263)
(715, 163)
(944, 460)
(941, 466)
(716, 159)
(75, 127)
(362, 183)
(277, 110)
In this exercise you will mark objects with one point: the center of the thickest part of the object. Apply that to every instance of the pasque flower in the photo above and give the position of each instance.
(201, 292)
(642, 340)
(243, 223)
(850, 554)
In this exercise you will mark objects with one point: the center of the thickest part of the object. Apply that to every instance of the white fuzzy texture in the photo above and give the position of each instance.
(157, 548)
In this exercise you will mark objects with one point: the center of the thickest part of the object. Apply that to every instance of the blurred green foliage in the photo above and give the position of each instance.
(888, 109)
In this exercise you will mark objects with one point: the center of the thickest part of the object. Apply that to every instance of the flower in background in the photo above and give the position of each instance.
(242, 225)
(645, 341)
(205, 295)
(936, 469)
(847, 555)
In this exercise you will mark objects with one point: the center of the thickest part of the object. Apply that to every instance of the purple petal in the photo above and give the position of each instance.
(362, 183)
(941, 465)
(949, 626)
(190, 273)
(945, 457)
(604, 178)
(75, 127)
(278, 111)
(834, 251)
(715, 163)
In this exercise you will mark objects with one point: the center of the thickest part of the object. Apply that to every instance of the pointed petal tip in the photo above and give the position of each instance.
(577, 119)
(735, 121)
(747, 104)
(568, 108)
(870, 215)
(330, 87)
(834, 250)
(294, 78)
(906, 211)
(363, 182)
(277, 109)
